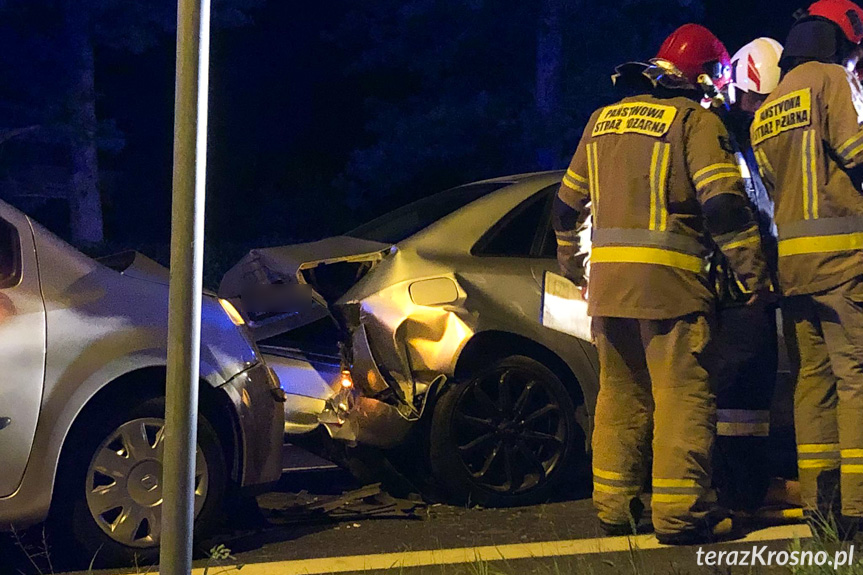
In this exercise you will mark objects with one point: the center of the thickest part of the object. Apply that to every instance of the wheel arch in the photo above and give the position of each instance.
(149, 382)
(494, 345)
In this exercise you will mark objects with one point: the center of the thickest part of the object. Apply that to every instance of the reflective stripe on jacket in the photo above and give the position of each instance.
(807, 136)
(647, 165)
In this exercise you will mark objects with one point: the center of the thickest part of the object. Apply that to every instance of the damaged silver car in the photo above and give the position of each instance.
(83, 347)
(437, 309)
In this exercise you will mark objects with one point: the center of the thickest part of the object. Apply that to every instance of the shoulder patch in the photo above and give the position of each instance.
(635, 118)
(787, 113)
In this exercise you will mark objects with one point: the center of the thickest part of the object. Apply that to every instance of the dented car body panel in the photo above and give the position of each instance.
(419, 304)
(422, 306)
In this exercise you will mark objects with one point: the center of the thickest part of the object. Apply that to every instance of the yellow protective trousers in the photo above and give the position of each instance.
(653, 384)
(824, 332)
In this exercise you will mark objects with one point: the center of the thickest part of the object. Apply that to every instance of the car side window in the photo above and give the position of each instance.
(516, 233)
(10, 255)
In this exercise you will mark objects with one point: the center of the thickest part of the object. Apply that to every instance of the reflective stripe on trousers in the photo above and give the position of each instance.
(818, 455)
(616, 483)
(742, 423)
(683, 492)
(851, 461)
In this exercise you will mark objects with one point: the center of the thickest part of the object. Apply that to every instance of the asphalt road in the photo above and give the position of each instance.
(288, 534)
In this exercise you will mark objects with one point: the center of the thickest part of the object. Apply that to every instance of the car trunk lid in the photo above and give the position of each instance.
(280, 289)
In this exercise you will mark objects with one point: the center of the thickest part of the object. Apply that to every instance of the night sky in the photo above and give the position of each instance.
(303, 107)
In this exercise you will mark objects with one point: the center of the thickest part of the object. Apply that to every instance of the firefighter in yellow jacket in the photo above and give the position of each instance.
(655, 167)
(808, 142)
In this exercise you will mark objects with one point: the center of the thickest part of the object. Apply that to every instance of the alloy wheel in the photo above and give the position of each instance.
(510, 430)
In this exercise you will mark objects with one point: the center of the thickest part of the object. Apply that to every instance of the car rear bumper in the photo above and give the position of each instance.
(367, 413)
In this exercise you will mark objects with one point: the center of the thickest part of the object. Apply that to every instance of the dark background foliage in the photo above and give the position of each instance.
(322, 114)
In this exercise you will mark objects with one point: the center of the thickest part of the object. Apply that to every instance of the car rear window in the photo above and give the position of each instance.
(526, 231)
(406, 221)
(10, 255)
(516, 232)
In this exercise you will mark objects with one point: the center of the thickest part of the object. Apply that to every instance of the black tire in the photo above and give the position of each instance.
(73, 525)
(507, 437)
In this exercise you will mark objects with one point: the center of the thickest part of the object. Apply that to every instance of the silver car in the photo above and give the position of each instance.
(439, 307)
(83, 352)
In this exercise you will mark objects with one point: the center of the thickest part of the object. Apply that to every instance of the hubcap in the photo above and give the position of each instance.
(510, 431)
(124, 483)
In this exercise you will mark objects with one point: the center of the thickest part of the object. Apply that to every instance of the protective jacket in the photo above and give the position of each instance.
(654, 170)
(809, 144)
(808, 140)
(648, 165)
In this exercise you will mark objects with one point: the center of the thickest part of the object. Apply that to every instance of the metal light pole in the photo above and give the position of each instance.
(187, 251)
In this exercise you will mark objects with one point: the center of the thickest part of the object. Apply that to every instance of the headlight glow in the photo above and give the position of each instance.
(232, 312)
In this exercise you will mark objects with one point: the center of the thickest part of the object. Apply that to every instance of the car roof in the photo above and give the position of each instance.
(518, 178)
(465, 226)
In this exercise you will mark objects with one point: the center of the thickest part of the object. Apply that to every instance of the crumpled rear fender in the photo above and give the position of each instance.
(406, 336)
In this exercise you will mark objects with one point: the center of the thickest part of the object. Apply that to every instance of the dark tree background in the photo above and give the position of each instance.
(322, 114)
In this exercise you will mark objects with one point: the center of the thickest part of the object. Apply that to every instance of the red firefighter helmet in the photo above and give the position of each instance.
(844, 13)
(695, 50)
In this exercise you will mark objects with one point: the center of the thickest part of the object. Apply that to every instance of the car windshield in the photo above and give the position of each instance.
(404, 222)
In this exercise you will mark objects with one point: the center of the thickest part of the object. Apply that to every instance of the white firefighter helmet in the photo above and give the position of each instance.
(755, 67)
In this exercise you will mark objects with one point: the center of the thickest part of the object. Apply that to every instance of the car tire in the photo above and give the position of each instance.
(506, 437)
(114, 457)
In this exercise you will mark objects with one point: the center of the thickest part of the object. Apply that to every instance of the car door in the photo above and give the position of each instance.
(22, 345)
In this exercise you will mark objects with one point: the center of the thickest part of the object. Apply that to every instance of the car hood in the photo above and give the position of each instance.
(282, 288)
(137, 265)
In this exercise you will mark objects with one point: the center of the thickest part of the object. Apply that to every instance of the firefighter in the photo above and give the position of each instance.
(746, 338)
(808, 142)
(655, 167)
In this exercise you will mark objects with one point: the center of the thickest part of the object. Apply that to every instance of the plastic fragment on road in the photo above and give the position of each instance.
(366, 502)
